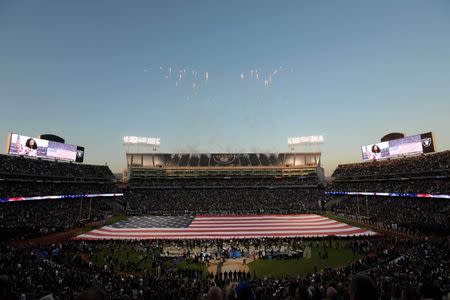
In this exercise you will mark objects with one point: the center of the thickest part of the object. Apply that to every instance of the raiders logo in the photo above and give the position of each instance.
(224, 158)
(80, 153)
(427, 142)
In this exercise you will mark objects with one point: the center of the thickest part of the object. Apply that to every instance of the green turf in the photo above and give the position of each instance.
(293, 267)
(128, 259)
(182, 265)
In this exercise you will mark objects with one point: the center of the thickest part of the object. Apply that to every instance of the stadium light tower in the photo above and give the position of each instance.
(306, 143)
(128, 141)
(150, 146)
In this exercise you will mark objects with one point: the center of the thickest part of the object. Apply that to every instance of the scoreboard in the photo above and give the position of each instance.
(411, 145)
(35, 147)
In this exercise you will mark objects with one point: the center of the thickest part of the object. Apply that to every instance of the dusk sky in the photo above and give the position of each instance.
(225, 76)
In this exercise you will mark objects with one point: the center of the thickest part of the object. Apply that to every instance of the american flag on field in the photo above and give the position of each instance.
(224, 227)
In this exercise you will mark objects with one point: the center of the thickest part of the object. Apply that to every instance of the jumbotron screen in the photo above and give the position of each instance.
(34, 147)
(411, 145)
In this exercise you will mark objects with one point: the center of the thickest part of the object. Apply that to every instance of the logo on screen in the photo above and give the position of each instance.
(80, 153)
(224, 158)
(427, 142)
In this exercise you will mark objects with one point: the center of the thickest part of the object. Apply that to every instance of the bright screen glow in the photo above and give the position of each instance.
(411, 145)
(413, 195)
(313, 139)
(141, 140)
(34, 147)
(36, 198)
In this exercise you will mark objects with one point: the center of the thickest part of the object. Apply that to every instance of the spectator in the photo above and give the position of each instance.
(363, 287)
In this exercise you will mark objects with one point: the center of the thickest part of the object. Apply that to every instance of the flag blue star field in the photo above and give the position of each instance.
(224, 227)
(155, 222)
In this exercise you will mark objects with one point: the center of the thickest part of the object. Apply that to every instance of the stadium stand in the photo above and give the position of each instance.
(201, 183)
(16, 188)
(409, 270)
(221, 200)
(416, 266)
(246, 182)
(30, 219)
(27, 177)
(224, 159)
(426, 185)
(23, 168)
(423, 165)
(416, 215)
(21, 176)
(309, 180)
(425, 174)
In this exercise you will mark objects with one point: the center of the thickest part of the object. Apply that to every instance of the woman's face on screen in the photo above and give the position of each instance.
(31, 142)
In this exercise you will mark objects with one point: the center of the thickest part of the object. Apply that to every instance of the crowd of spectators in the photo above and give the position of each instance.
(223, 200)
(26, 219)
(424, 174)
(11, 189)
(413, 269)
(420, 186)
(407, 165)
(22, 167)
(406, 269)
(409, 214)
(419, 174)
(28, 177)
(304, 181)
(425, 266)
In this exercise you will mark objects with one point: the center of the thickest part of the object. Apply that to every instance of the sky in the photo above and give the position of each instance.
(225, 76)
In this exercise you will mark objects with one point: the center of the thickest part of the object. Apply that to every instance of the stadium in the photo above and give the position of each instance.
(225, 150)
(269, 225)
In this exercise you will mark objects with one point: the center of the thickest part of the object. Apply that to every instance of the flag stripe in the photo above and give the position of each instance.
(255, 216)
(90, 236)
(226, 234)
(262, 223)
(215, 233)
(243, 218)
(195, 229)
(253, 225)
(272, 219)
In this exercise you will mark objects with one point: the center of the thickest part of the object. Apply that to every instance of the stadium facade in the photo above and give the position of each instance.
(166, 165)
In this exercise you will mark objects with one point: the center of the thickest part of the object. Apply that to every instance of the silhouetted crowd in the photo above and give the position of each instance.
(399, 185)
(303, 181)
(29, 177)
(425, 174)
(11, 189)
(26, 219)
(410, 269)
(388, 269)
(232, 200)
(407, 165)
(423, 215)
(23, 167)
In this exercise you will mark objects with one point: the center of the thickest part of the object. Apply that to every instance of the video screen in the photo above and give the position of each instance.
(34, 147)
(35, 198)
(411, 145)
(414, 195)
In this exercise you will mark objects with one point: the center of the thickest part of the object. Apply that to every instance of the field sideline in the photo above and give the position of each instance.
(137, 262)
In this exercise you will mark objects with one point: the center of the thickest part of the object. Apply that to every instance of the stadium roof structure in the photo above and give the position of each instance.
(222, 164)
(214, 160)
